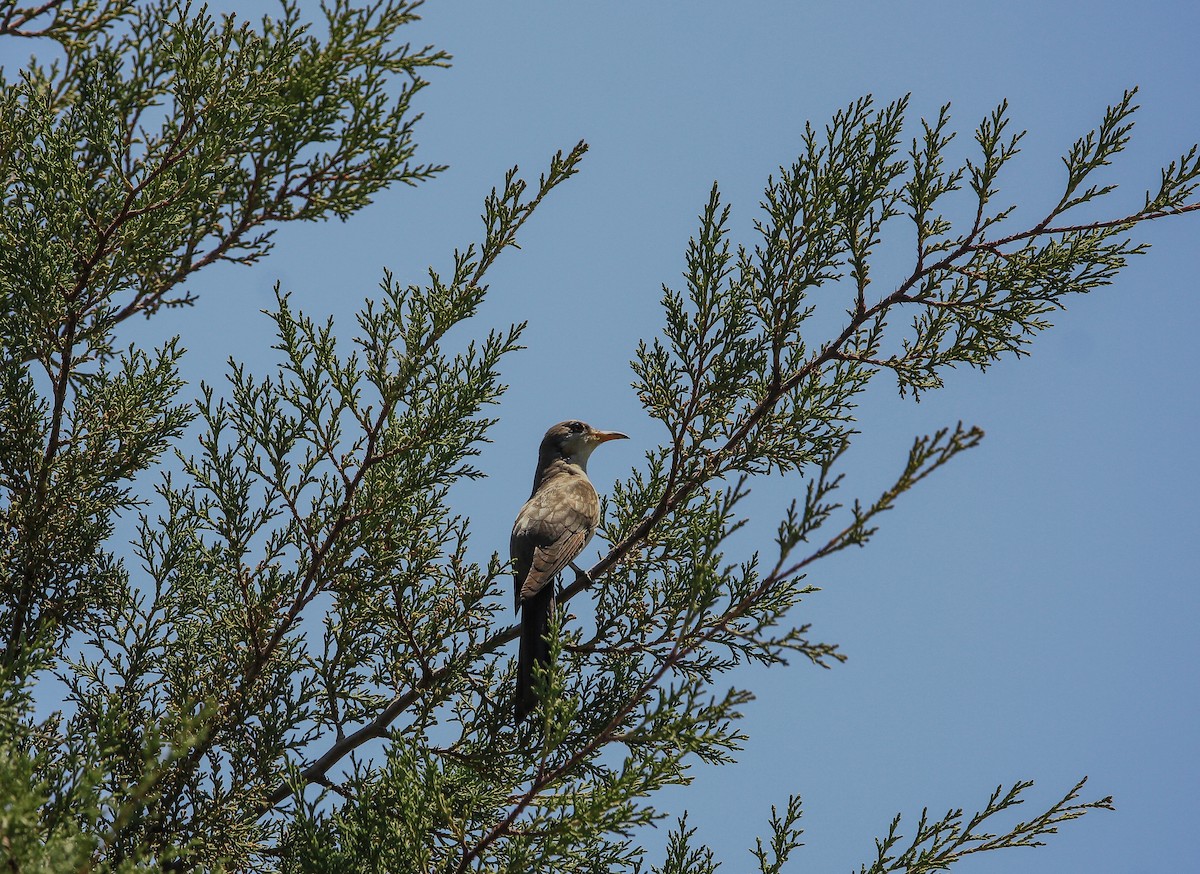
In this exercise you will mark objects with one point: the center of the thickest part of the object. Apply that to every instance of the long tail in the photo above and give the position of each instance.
(536, 613)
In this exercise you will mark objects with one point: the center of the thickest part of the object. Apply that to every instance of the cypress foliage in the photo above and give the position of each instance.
(296, 666)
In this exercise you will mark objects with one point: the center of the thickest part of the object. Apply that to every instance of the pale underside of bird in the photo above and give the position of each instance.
(550, 532)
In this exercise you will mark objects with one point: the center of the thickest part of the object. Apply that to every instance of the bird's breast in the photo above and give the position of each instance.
(561, 503)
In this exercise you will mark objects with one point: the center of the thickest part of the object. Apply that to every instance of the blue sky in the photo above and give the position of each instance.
(1029, 612)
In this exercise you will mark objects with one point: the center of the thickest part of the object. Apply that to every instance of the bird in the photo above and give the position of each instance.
(551, 530)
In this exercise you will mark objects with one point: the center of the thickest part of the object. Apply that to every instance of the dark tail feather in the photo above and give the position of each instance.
(536, 613)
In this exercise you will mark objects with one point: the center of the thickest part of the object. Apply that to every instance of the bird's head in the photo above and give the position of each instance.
(574, 441)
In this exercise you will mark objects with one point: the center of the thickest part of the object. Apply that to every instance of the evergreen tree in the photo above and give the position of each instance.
(300, 585)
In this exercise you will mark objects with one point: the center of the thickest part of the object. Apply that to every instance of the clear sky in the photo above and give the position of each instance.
(1029, 612)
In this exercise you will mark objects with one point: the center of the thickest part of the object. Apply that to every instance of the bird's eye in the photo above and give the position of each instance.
(575, 426)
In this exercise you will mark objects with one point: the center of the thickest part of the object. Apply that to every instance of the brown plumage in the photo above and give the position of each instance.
(552, 528)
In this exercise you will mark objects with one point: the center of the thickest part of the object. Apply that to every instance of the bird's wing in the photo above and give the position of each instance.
(549, 561)
(551, 530)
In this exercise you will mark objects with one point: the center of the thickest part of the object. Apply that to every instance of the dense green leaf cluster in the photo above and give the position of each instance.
(307, 671)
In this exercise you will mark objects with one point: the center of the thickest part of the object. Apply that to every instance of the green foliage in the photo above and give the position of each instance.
(307, 670)
(160, 142)
(30, 830)
(936, 845)
(164, 141)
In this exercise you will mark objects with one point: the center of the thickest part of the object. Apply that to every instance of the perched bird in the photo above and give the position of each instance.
(552, 528)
